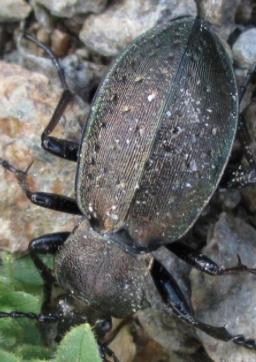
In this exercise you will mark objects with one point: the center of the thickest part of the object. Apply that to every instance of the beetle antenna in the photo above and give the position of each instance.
(37, 316)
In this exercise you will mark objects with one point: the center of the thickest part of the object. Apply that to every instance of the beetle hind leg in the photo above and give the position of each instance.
(173, 297)
(201, 262)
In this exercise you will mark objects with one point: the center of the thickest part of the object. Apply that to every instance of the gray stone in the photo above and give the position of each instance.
(244, 48)
(69, 8)
(15, 10)
(220, 13)
(227, 299)
(112, 31)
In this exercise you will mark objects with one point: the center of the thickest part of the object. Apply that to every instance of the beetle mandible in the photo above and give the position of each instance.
(153, 151)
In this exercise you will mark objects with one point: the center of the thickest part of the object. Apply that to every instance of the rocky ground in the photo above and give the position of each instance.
(86, 35)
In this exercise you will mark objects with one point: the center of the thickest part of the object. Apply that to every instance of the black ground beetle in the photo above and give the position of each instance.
(154, 148)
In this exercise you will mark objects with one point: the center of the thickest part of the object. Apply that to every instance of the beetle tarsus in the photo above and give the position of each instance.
(239, 268)
(248, 343)
(43, 199)
(61, 71)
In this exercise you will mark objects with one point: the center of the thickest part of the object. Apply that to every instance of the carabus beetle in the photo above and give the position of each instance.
(153, 151)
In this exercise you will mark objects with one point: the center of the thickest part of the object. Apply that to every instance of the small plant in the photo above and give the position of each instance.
(20, 339)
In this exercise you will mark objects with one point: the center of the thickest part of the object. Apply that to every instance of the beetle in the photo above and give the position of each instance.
(153, 151)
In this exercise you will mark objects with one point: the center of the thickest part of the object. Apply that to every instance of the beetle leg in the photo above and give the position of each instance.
(201, 262)
(61, 148)
(175, 300)
(43, 199)
(46, 244)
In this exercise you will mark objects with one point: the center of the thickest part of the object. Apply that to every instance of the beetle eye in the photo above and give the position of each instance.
(106, 325)
(103, 326)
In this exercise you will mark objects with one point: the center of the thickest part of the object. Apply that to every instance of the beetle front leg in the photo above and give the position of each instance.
(201, 262)
(175, 300)
(104, 351)
(43, 199)
(45, 245)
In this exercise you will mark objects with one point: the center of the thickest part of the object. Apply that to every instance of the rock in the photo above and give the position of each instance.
(123, 345)
(110, 32)
(244, 48)
(229, 198)
(15, 10)
(60, 42)
(244, 12)
(228, 299)
(83, 74)
(220, 13)
(27, 102)
(69, 8)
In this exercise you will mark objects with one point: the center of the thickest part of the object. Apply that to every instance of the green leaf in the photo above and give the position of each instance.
(5, 286)
(8, 357)
(39, 360)
(29, 352)
(22, 270)
(19, 301)
(79, 345)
